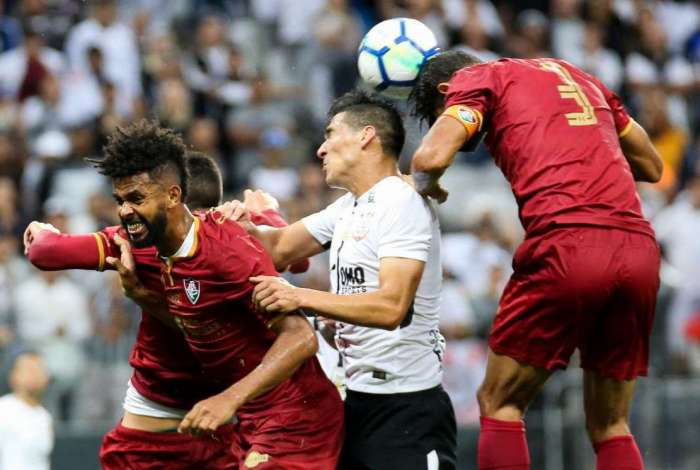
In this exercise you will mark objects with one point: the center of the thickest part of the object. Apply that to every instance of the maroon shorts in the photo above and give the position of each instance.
(125, 448)
(304, 439)
(590, 288)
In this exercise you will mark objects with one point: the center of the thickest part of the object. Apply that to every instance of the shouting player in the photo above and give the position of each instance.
(289, 415)
(167, 379)
(385, 273)
(587, 274)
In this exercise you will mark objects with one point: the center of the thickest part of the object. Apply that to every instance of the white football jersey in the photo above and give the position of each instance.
(389, 221)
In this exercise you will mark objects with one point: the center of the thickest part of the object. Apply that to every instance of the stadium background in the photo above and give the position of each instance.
(249, 82)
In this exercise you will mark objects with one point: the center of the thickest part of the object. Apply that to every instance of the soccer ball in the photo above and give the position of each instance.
(392, 53)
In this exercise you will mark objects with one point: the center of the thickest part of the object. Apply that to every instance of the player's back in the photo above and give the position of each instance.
(553, 131)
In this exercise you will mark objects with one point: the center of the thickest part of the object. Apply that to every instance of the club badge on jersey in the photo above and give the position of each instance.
(192, 290)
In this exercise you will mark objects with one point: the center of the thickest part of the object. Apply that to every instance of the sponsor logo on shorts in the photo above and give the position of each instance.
(192, 290)
(255, 458)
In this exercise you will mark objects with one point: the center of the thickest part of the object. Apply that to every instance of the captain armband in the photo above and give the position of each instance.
(470, 118)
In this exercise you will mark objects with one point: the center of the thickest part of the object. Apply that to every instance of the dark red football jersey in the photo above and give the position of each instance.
(553, 130)
(165, 369)
(209, 293)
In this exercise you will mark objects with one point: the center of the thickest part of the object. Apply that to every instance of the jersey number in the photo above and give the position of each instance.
(572, 91)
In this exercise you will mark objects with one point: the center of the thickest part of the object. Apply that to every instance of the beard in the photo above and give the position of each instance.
(155, 229)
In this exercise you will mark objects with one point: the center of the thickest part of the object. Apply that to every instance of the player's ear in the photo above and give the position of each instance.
(368, 133)
(443, 87)
(175, 195)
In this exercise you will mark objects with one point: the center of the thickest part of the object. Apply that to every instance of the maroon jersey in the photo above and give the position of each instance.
(209, 293)
(165, 370)
(553, 130)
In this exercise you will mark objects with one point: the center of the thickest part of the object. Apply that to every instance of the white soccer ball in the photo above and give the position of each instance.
(392, 53)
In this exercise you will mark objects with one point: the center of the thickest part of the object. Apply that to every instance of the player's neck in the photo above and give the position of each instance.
(28, 398)
(176, 232)
(368, 176)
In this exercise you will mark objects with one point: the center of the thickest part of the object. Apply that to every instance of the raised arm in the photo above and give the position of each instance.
(287, 245)
(640, 153)
(49, 250)
(295, 343)
(438, 149)
(385, 308)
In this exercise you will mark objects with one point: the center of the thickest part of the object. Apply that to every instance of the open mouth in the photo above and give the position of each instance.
(136, 230)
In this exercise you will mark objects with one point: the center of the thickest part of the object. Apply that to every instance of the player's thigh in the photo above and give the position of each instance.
(509, 383)
(539, 315)
(400, 431)
(618, 335)
(606, 402)
(303, 439)
(124, 448)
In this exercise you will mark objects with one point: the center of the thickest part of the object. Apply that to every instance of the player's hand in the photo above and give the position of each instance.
(233, 210)
(126, 267)
(274, 294)
(429, 186)
(434, 191)
(33, 230)
(259, 200)
(207, 415)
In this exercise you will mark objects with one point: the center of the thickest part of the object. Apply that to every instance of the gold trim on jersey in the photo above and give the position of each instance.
(626, 130)
(100, 251)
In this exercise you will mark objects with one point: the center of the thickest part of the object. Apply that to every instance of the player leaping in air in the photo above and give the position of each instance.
(587, 274)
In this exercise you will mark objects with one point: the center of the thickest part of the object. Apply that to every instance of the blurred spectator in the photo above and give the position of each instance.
(599, 61)
(23, 68)
(53, 318)
(26, 428)
(567, 30)
(532, 38)
(654, 65)
(475, 41)
(677, 228)
(428, 12)
(474, 14)
(10, 30)
(669, 139)
(117, 44)
(273, 176)
(173, 104)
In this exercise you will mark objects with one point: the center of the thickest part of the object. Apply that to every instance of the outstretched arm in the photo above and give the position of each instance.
(50, 250)
(295, 343)
(386, 307)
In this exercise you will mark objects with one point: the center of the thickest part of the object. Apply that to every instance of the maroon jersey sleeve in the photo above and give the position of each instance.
(56, 251)
(475, 87)
(623, 121)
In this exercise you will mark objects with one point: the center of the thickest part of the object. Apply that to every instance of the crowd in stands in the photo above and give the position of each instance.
(249, 83)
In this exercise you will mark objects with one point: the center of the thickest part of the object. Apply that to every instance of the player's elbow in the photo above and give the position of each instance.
(392, 318)
(308, 343)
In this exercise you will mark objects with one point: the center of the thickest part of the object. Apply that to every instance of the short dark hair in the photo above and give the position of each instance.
(370, 109)
(144, 146)
(425, 96)
(205, 187)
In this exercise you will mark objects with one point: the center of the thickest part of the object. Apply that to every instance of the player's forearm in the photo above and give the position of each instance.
(374, 309)
(56, 251)
(295, 343)
(274, 219)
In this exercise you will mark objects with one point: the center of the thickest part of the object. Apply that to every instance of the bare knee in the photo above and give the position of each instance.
(495, 402)
(602, 428)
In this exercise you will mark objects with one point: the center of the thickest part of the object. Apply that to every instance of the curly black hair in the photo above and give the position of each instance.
(144, 146)
(425, 97)
(370, 109)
